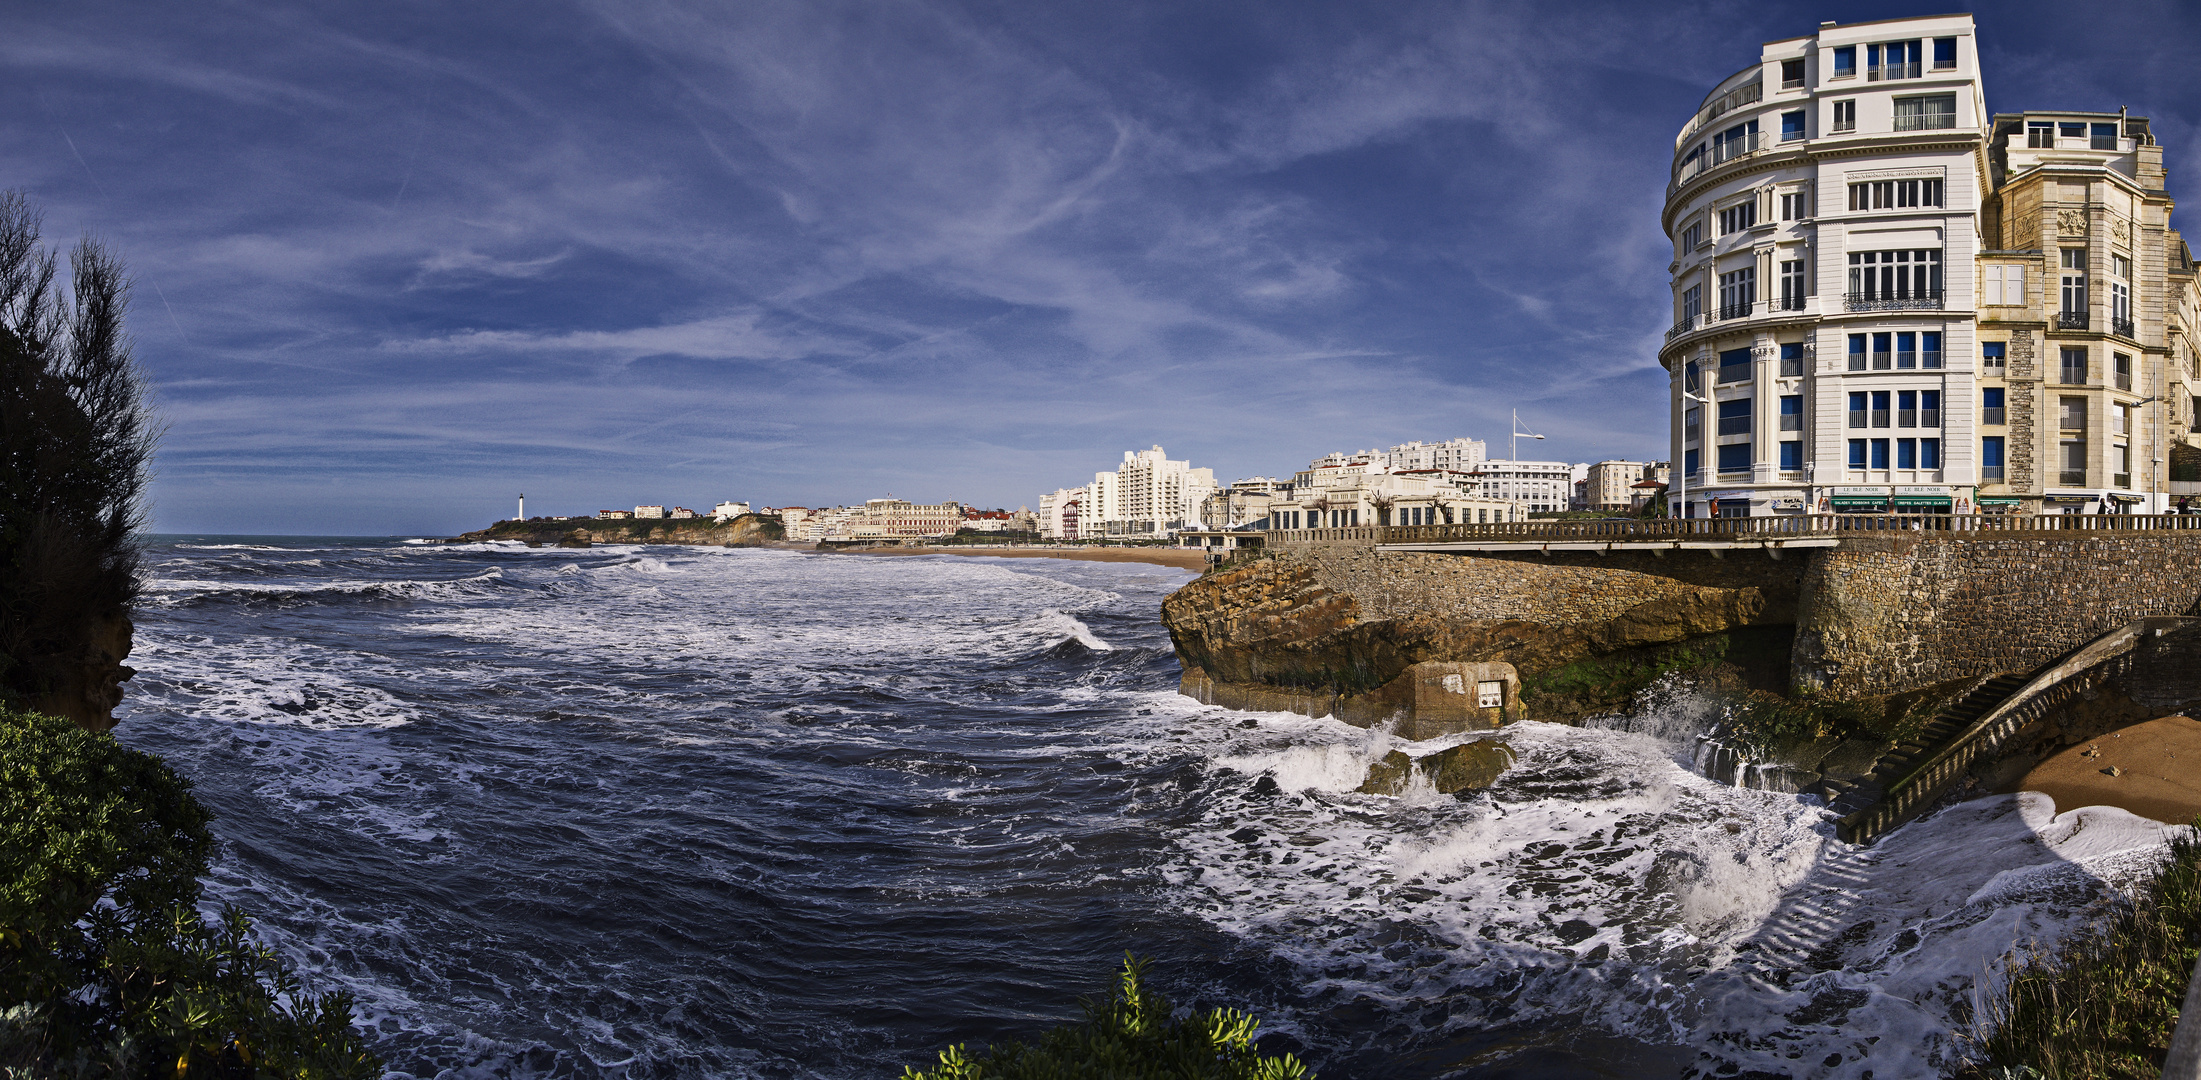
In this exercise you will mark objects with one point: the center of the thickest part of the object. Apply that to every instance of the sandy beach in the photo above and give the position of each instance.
(1182, 558)
(2158, 767)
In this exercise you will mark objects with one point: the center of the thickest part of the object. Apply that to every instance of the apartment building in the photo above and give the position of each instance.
(1825, 210)
(1148, 495)
(1539, 486)
(1242, 503)
(1611, 485)
(1059, 512)
(2085, 391)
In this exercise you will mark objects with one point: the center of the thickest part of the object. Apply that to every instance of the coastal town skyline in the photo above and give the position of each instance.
(392, 268)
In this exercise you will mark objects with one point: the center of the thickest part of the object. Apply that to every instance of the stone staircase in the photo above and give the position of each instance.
(1847, 797)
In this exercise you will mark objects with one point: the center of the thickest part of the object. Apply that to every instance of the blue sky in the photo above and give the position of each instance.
(398, 262)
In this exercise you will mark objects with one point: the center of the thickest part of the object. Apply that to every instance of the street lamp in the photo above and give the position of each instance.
(1518, 431)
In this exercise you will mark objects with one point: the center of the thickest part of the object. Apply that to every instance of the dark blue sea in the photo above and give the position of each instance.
(682, 812)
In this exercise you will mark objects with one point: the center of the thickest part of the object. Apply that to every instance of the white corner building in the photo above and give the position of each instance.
(1824, 209)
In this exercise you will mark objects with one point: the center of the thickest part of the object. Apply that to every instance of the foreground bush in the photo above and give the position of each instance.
(1131, 1036)
(107, 969)
(2106, 1004)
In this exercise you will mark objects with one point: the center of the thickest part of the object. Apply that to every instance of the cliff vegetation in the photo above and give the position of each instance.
(748, 530)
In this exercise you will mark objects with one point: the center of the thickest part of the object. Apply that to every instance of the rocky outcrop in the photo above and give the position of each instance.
(85, 678)
(748, 530)
(1470, 766)
(1285, 633)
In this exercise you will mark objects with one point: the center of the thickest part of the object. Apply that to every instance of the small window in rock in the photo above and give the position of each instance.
(1490, 695)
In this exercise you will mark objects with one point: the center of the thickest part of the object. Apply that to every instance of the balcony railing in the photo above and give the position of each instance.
(1914, 300)
(1991, 473)
(1993, 416)
(2123, 480)
(1933, 121)
(2120, 327)
(1687, 323)
(1734, 311)
(1892, 71)
(2124, 380)
(2071, 320)
(1929, 526)
(1791, 302)
(2071, 477)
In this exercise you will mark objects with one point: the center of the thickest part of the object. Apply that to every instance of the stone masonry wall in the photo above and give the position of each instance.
(1887, 615)
(1561, 589)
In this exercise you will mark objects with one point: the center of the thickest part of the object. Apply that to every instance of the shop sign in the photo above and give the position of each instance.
(1788, 504)
(1860, 491)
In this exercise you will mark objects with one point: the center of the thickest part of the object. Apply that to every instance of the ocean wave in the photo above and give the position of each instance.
(183, 592)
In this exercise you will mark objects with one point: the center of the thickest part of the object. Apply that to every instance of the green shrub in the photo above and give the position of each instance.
(2105, 1005)
(107, 969)
(1131, 1036)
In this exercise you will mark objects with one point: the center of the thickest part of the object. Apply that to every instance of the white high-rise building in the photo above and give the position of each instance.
(1147, 495)
(1824, 209)
(1460, 455)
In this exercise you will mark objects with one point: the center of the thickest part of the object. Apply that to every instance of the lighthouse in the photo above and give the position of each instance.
(523, 507)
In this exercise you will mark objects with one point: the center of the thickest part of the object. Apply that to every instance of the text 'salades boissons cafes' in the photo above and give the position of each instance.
(1886, 299)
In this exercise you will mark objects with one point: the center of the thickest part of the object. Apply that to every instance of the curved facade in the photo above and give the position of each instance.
(1824, 208)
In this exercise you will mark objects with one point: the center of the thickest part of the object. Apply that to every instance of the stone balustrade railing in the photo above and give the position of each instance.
(1750, 528)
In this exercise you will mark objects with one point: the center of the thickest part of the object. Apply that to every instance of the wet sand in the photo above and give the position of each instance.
(2159, 766)
(1182, 558)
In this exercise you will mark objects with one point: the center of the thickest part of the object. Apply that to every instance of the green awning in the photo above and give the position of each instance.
(1930, 503)
(1999, 500)
(1859, 502)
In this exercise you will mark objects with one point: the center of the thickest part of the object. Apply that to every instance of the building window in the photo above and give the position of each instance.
(1690, 460)
(2003, 286)
(1858, 403)
(1906, 408)
(2121, 368)
(1929, 349)
(2073, 315)
(1906, 453)
(1857, 453)
(1857, 352)
(1892, 60)
(1879, 453)
(2071, 414)
(1991, 358)
(1991, 409)
(1738, 217)
(1990, 458)
(1895, 194)
(1792, 456)
(1936, 112)
(2105, 137)
(2120, 420)
(1880, 408)
(2072, 371)
(1792, 358)
(1906, 350)
(2040, 134)
(1845, 117)
(2120, 295)
(1886, 280)
(1735, 418)
(1738, 292)
(1929, 408)
(1792, 74)
(1689, 429)
(1734, 367)
(1929, 453)
(2071, 466)
(1845, 62)
(1795, 206)
(1944, 53)
(1735, 457)
(1792, 285)
(1880, 353)
(1692, 302)
(1692, 237)
(1735, 142)
(1792, 412)
(2123, 476)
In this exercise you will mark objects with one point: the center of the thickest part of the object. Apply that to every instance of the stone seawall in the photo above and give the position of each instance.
(1878, 616)
(1889, 614)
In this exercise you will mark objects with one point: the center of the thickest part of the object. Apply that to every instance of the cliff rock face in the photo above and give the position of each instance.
(1335, 635)
(86, 678)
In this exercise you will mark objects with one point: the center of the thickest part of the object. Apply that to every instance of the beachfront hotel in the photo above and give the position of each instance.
(1885, 299)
